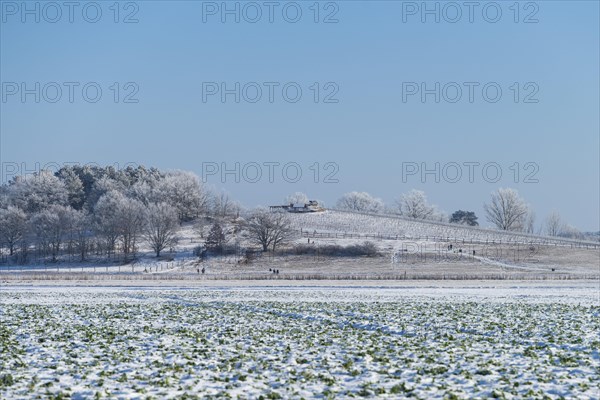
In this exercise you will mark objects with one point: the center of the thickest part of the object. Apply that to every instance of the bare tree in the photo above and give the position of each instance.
(131, 219)
(414, 205)
(223, 206)
(360, 201)
(529, 226)
(81, 232)
(282, 232)
(554, 224)
(269, 229)
(161, 226)
(76, 230)
(106, 222)
(51, 227)
(120, 218)
(199, 226)
(507, 210)
(13, 223)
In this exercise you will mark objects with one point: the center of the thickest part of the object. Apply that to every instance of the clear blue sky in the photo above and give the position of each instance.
(369, 53)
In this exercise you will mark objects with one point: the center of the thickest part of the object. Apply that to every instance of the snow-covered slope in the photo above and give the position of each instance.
(343, 222)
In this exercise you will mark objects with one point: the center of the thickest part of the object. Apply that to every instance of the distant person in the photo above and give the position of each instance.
(203, 270)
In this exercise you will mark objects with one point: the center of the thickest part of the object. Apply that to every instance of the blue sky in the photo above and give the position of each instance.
(368, 56)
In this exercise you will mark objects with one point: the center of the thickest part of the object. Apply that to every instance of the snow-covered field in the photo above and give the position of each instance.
(420, 341)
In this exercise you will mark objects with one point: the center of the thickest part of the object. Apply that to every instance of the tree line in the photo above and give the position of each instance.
(79, 210)
(506, 210)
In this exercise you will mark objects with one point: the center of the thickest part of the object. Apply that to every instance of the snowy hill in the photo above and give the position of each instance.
(347, 223)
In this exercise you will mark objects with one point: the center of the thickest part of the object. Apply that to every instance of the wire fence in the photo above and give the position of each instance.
(130, 277)
(449, 239)
(134, 266)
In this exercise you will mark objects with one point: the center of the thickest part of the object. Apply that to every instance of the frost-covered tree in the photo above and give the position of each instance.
(268, 229)
(223, 206)
(45, 225)
(144, 192)
(200, 225)
(130, 215)
(88, 175)
(506, 210)
(529, 221)
(5, 200)
(13, 224)
(554, 224)
(101, 187)
(51, 227)
(73, 186)
(119, 219)
(161, 226)
(78, 205)
(133, 174)
(106, 221)
(183, 191)
(81, 232)
(361, 202)
(414, 205)
(37, 192)
(296, 198)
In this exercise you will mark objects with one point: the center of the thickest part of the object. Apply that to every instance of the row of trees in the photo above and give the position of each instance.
(82, 209)
(413, 204)
(79, 210)
(507, 210)
(82, 187)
